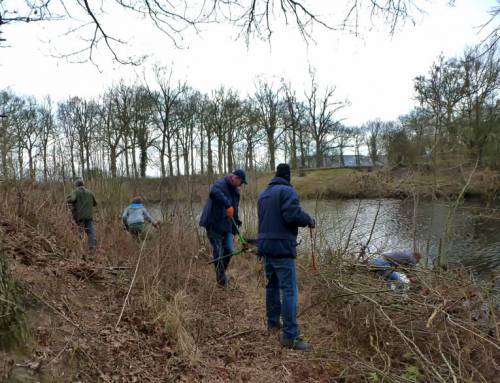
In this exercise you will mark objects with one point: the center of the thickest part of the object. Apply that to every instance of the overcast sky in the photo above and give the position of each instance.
(374, 71)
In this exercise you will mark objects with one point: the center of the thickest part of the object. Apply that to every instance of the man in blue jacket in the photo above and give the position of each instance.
(280, 216)
(219, 217)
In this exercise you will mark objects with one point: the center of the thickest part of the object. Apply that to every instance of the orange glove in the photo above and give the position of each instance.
(230, 212)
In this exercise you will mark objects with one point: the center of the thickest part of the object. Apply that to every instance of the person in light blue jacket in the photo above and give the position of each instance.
(136, 215)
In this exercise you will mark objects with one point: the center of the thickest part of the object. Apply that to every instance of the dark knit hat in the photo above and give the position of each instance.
(79, 182)
(283, 171)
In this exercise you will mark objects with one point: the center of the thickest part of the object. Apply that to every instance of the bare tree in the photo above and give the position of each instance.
(439, 95)
(322, 120)
(254, 18)
(10, 105)
(47, 130)
(187, 115)
(480, 106)
(142, 126)
(165, 101)
(373, 131)
(294, 115)
(67, 129)
(268, 103)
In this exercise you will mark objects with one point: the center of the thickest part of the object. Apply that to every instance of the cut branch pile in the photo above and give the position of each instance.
(443, 329)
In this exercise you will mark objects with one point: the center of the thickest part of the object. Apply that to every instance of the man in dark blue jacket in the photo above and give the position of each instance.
(219, 217)
(280, 216)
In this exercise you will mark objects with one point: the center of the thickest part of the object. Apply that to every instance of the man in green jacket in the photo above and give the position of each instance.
(82, 203)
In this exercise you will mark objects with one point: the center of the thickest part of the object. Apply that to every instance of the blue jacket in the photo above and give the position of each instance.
(214, 217)
(280, 216)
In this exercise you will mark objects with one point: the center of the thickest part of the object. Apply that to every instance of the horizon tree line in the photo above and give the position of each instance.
(168, 125)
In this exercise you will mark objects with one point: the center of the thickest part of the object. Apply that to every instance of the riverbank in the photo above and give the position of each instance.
(333, 183)
(446, 184)
(178, 326)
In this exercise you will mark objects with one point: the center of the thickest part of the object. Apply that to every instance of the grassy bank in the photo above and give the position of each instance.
(177, 325)
(444, 184)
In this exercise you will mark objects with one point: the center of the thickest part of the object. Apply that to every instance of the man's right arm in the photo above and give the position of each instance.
(71, 198)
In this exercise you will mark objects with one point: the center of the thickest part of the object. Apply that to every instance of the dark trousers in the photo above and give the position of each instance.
(222, 244)
(282, 278)
(88, 226)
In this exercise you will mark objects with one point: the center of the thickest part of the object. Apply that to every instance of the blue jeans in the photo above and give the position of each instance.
(222, 244)
(282, 277)
(88, 226)
(388, 273)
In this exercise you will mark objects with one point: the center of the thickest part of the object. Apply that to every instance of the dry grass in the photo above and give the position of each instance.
(179, 326)
(445, 329)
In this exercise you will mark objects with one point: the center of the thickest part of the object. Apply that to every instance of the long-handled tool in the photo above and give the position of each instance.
(244, 242)
(233, 254)
(242, 239)
(312, 250)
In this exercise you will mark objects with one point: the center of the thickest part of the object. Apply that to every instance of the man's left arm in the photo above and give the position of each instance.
(292, 212)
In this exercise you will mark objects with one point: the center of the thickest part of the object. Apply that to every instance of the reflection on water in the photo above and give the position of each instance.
(472, 241)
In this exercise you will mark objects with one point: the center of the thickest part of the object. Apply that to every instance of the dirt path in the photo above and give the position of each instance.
(73, 307)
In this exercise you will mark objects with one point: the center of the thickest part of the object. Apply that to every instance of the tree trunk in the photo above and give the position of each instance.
(342, 161)
(143, 159)
(170, 160)
(221, 155)
(250, 155)
(45, 164)
(127, 168)
(72, 159)
(31, 164)
(163, 170)
(271, 146)
(302, 151)
(319, 154)
(177, 158)
(293, 149)
(191, 153)
(134, 162)
(20, 161)
(210, 160)
(112, 161)
(202, 158)
(230, 161)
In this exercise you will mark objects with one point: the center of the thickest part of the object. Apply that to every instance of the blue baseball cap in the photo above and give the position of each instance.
(241, 173)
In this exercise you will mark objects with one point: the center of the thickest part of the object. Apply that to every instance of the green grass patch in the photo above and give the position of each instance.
(13, 330)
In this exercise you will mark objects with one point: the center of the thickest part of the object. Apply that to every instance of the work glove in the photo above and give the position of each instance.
(238, 223)
(312, 224)
(230, 211)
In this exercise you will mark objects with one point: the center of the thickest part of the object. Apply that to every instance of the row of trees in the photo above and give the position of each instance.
(457, 118)
(178, 130)
(171, 125)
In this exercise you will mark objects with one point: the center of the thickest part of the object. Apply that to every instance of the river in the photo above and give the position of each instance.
(470, 234)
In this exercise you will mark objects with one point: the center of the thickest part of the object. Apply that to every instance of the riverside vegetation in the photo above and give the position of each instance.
(70, 318)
